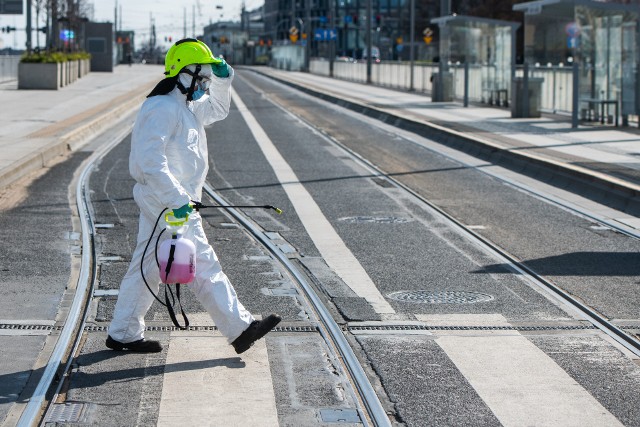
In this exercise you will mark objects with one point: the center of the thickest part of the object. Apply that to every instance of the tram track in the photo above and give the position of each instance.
(626, 339)
(332, 333)
(71, 332)
(41, 403)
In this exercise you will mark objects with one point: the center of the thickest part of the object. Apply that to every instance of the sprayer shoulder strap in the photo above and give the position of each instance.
(170, 304)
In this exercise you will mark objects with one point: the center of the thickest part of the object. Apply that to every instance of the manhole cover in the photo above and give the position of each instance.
(374, 219)
(442, 297)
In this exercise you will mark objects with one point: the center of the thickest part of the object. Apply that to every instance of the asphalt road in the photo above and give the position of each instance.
(424, 377)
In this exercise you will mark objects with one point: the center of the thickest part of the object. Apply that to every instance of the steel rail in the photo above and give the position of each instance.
(73, 325)
(619, 335)
(554, 200)
(67, 343)
(330, 331)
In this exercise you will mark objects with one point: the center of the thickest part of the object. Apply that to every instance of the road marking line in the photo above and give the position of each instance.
(206, 383)
(518, 381)
(332, 248)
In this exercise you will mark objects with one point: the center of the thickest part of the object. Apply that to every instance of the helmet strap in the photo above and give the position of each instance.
(193, 81)
(192, 87)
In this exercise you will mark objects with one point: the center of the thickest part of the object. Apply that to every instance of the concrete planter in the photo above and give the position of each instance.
(72, 76)
(63, 74)
(83, 67)
(40, 75)
(32, 75)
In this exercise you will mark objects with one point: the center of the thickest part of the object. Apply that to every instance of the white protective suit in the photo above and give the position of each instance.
(169, 161)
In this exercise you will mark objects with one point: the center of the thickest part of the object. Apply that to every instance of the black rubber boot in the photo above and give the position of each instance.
(140, 346)
(256, 330)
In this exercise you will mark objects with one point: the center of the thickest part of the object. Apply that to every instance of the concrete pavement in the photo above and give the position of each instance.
(600, 162)
(38, 126)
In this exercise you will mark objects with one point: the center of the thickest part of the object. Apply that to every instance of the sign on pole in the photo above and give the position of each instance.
(11, 7)
(427, 35)
(325, 34)
(293, 34)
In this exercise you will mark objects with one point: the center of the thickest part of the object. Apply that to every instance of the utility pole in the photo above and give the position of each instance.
(307, 47)
(369, 52)
(193, 20)
(153, 33)
(332, 43)
(184, 14)
(412, 36)
(443, 48)
(28, 26)
(54, 25)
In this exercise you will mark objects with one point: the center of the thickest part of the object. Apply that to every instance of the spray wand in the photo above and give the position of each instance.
(197, 206)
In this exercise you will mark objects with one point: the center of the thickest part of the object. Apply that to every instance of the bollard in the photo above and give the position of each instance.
(466, 84)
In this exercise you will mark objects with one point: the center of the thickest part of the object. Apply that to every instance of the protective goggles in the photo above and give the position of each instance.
(204, 82)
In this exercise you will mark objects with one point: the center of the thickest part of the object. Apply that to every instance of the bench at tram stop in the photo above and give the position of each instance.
(499, 97)
(596, 110)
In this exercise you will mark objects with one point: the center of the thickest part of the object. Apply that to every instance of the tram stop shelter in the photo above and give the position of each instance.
(486, 47)
(600, 43)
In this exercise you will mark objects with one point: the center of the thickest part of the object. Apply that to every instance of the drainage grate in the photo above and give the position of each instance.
(467, 328)
(30, 327)
(442, 297)
(374, 219)
(69, 412)
(94, 328)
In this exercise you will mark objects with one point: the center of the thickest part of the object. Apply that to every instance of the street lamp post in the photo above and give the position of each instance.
(412, 31)
(369, 53)
(29, 44)
(332, 43)
(443, 66)
(307, 47)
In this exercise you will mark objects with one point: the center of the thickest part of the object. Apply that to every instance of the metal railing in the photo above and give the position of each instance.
(555, 97)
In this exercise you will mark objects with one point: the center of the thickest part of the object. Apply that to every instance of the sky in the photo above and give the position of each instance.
(168, 15)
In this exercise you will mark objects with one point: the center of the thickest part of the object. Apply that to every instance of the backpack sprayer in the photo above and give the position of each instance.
(176, 257)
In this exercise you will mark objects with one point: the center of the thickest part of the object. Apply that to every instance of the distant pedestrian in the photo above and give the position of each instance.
(129, 58)
(169, 161)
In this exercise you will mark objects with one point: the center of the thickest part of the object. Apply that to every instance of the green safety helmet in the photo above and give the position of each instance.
(186, 52)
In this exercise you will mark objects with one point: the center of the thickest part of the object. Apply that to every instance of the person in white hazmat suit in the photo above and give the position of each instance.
(169, 162)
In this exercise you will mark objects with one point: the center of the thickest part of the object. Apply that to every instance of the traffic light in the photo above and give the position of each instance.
(8, 29)
(378, 20)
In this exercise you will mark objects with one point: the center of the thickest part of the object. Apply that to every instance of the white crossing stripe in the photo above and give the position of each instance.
(207, 384)
(332, 248)
(518, 381)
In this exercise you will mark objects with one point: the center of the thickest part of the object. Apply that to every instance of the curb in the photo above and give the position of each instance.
(593, 185)
(72, 140)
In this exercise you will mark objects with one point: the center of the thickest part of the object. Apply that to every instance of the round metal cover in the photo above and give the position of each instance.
(374, 219)
(441, 297)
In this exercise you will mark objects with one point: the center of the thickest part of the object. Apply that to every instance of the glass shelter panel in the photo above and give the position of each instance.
(608, 56)
(488, 46)
(602, 37)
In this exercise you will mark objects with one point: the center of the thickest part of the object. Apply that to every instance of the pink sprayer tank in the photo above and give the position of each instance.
(177, 253)
(183, 267)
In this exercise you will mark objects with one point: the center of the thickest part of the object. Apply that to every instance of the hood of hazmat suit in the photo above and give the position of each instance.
(169, 156)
